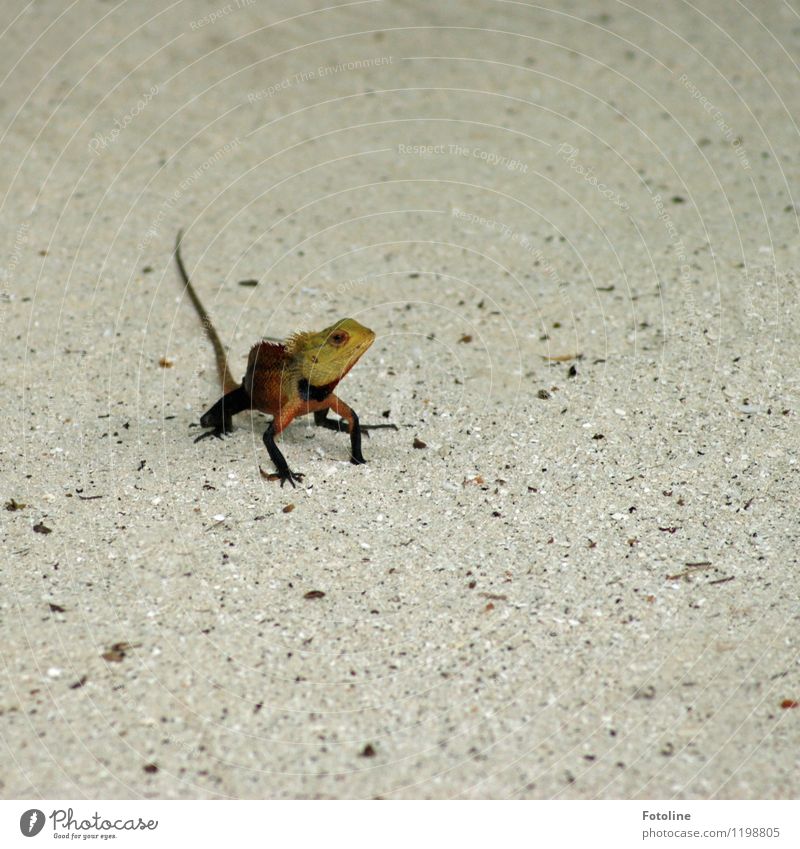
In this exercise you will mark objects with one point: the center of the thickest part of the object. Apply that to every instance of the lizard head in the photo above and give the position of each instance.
(327, 356)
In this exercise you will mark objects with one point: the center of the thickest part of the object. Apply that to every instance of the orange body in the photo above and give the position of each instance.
(271, 381)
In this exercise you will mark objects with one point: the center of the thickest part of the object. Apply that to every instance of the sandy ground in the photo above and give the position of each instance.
(586, 584)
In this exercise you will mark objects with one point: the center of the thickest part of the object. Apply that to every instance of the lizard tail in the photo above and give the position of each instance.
(226, 378)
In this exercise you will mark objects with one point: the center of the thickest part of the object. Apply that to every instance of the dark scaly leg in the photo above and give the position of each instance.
(284, 473)
(219, 416)
(337, 406)
(341, 426)
(356, 457)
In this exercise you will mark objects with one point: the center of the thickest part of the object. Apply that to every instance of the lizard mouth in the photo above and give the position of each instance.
(363, 345)
(362, 348)
(359, 351)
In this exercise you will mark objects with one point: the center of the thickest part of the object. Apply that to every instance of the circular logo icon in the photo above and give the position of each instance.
(31, 822)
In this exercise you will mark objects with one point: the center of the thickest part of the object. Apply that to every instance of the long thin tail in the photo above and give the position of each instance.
(225, 377)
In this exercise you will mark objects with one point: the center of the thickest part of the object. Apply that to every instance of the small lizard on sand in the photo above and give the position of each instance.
(288, 379)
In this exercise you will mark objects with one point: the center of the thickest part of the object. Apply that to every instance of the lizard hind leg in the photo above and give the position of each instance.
(218, 418)
(343, 426)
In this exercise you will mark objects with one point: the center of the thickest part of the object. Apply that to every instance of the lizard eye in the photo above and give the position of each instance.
(339, 338)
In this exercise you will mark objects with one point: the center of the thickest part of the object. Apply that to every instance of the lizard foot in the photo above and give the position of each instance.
(286, 475)
(365, 429)
(218, 433)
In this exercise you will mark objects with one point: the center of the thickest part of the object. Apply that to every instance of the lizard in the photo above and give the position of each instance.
(287, 379)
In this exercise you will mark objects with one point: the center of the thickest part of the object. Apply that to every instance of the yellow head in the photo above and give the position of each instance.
(328, 355)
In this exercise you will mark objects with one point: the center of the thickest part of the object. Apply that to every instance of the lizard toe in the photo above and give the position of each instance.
(291, 477)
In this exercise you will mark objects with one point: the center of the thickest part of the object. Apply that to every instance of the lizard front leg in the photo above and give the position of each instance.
(284, 473)
(219, 416)
(337, 406)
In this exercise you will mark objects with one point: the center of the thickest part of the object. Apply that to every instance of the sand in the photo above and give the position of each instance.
(575, 235)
